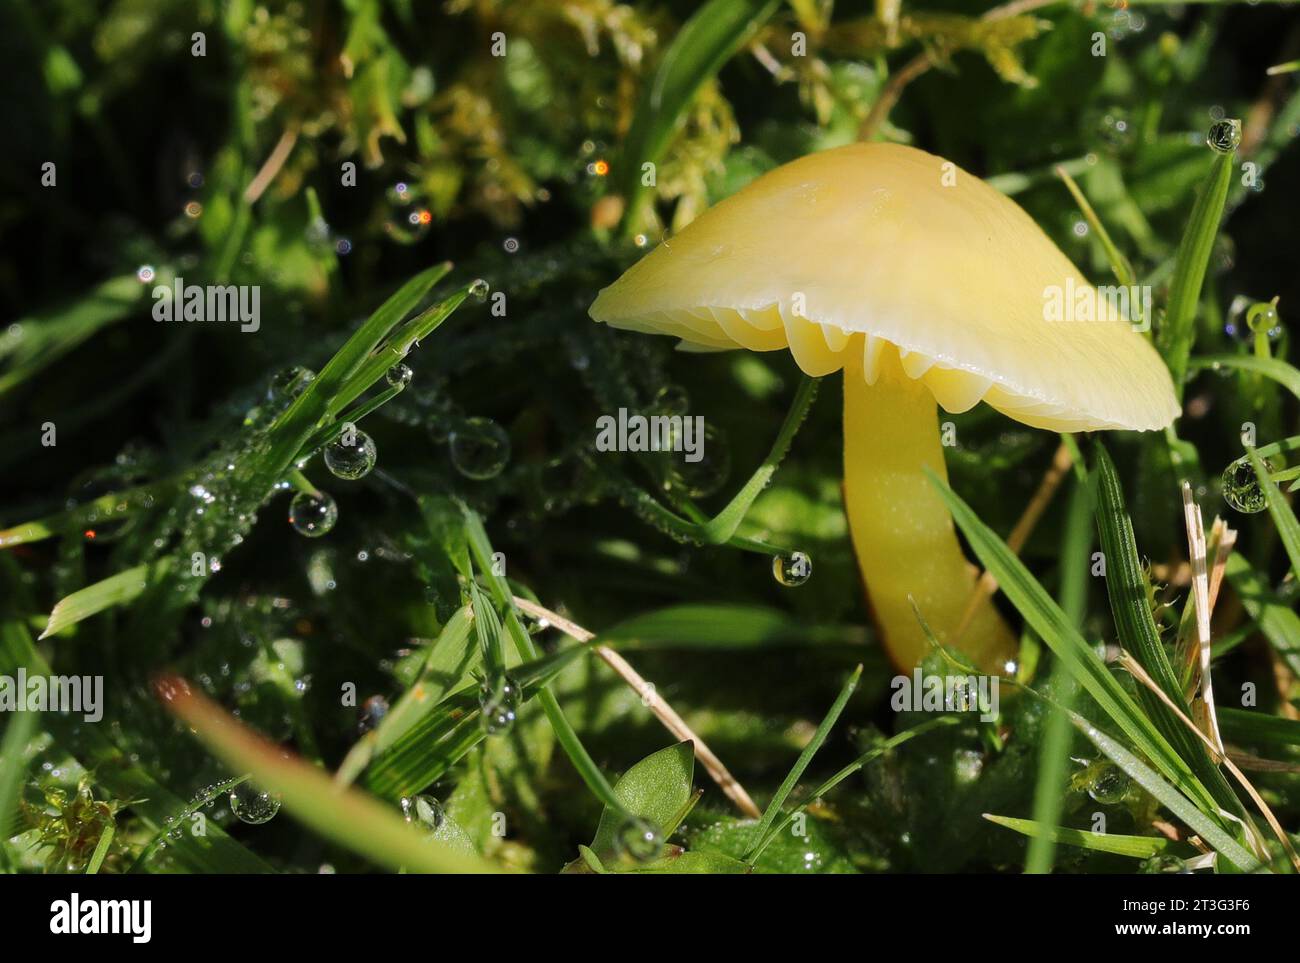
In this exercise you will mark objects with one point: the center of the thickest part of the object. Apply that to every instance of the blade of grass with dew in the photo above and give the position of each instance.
(439, 738)
(1288, 528)
(1055, 628)
(1178, 332)
(1205, 826)
(452, 657)
(1278, 370)
(855, 766)
(487, 626)
(1275, 618)
(346, 816)
(1127, 588)
(481, 551)
(704, 43)
(796, 772)
(112, 507)
(1054, 751)
(206, 796)
(1140, 847)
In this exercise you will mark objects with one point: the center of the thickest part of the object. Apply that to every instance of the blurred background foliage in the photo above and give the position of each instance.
(524, 169)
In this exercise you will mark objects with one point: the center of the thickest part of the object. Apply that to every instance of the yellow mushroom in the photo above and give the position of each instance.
(923, 284)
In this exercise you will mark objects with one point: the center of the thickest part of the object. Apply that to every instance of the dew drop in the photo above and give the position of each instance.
(252, 805)
(499, 701)
(639, 839)
(313, 515)
(373, 711)
(1241, 488)
(351, 461)
(1109, 786)
(399, 376)
(791, 569)
(479, 290)
(290, 383)
(1224, 136)
(479, 448)
(423, 811)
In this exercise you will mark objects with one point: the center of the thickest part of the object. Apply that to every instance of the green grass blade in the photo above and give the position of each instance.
(115, 590)
(1275, 618)
(345, 816)
(101, 849)
(1178, 804)
(1127, 588)
(13, 767)
(1178, 332)
(1055, 628)
(1252, 726)
(1141, 847)
(1054, 752)
(1288, 528)
(796, 772)
(704, 43)
(1278, 370)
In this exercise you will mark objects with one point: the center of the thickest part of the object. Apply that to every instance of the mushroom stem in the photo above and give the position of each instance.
(902, 532)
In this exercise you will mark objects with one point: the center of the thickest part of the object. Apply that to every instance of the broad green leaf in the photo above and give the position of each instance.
(655, 789)
(689, 862)
(1141, 847)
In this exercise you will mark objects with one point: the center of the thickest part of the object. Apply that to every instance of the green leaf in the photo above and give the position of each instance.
(655, 789)
(1253, 726)
(115, 590)
(345, 816)
(1056, 629)
(689, 863)
(704, 43)
(1178, 332)
(1141, 847)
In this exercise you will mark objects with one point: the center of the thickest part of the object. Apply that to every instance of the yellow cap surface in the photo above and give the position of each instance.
(876, 248)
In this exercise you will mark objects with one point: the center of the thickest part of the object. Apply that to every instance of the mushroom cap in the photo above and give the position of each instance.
(878, 247)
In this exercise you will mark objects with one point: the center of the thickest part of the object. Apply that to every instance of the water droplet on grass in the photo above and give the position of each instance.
(1224, 136)
(351, 461)
(313, 515)
(289, 383)
(252, 805)
(499, 701)
(1241, 488)
(792, 569)
(424, 811)
(479, 448)
(478, 290)
(639, 839)
(1109, 786)
(399, 376)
